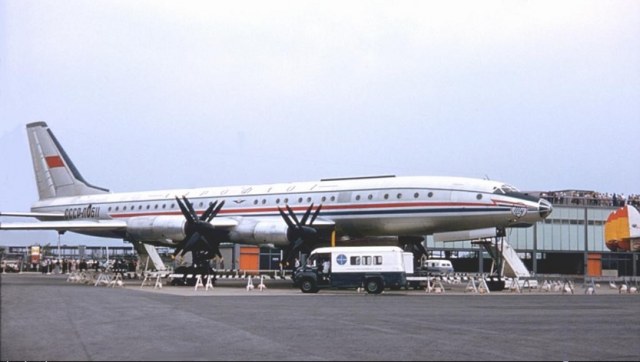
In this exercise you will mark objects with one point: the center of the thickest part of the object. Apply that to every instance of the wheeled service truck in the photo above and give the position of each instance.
(373, 268)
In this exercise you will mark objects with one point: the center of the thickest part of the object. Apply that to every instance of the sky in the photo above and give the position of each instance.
(146, 95)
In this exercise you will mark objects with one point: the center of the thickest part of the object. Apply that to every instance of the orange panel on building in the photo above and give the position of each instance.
(594, 265)
(249, 258)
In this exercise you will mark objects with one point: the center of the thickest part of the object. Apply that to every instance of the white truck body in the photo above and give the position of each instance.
(374, 267)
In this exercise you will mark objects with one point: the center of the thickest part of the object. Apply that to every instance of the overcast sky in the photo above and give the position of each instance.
(152, 94)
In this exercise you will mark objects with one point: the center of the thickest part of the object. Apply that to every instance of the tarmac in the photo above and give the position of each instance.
(47, 317)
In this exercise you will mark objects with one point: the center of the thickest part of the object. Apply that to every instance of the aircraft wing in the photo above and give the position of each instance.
(42, 215)
(67, 225)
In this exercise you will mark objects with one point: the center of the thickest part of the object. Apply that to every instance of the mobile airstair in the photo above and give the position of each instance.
(506, 262)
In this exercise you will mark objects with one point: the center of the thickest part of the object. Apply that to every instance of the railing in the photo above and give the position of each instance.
(590, 200)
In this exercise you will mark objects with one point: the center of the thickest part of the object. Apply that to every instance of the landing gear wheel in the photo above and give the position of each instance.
(308, 286)
(373, 286)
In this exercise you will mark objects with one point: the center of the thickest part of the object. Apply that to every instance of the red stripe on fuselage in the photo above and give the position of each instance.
(244, 211)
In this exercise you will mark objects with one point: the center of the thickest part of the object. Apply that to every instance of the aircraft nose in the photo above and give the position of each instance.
(544, 208)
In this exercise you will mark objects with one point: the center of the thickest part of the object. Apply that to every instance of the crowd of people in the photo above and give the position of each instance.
(65, 266)
(590, 198)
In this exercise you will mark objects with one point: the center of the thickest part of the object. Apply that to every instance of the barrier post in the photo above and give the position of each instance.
(209, 283)
(261, 286)
(198, 282)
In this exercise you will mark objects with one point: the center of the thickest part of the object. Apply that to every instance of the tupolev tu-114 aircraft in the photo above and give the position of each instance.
(296, 216)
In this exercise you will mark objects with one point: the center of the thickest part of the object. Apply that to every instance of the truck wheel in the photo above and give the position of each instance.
(308, 286)
(373, 286)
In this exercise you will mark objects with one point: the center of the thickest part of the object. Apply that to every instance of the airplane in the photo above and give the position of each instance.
(284, 215)
(622, 229)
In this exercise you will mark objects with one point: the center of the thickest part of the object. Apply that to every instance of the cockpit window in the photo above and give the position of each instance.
(505, 189)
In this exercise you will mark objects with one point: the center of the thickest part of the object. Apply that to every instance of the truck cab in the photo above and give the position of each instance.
(373, 268)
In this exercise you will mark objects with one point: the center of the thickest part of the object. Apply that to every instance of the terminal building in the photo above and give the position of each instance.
(569, 242)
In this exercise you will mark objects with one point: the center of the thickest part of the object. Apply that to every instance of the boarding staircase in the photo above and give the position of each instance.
(148, 253)
(505, 259)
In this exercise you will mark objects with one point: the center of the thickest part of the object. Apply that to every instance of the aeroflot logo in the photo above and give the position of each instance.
(519, 211)
(88, 212)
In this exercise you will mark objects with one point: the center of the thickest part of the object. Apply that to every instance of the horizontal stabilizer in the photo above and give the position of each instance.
(39, 215)
(72, 225)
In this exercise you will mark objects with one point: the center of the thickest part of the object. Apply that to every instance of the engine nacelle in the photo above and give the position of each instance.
(261, 232)
(157, 228)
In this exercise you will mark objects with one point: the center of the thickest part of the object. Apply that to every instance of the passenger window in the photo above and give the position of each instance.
(366, 260)
(355, 260)
(377, 260)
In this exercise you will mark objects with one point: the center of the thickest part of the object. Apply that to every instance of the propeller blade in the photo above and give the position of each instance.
(208, 212)
(315, 215)
(298, 243)
(216, 211)
(286, 219)
(306, 215)
(188, 245)
(185, 211)
(193, 212)
(178, 249)
(293, 215)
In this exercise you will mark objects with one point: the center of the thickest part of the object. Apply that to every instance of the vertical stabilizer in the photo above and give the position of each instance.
(56, 175)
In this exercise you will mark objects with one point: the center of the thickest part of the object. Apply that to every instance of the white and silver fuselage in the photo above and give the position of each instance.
(360, 207)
